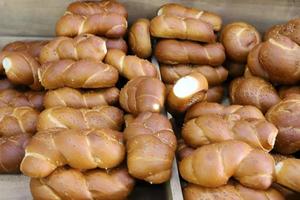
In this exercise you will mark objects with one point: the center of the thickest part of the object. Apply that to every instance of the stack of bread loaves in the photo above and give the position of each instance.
(189, 55)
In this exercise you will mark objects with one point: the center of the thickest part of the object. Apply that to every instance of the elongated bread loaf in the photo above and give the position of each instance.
(170, 51)
(118, 43)
(151, 145)
(70, 97)
(95, 118)
(143, 94)
(80, 74)
(212, 165)
(98, 184)
(80, 149)
(171, 26)
(109, 25)
(130, 66)
(84, 46)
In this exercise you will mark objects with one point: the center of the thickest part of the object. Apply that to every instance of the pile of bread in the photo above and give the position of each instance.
(84, 118)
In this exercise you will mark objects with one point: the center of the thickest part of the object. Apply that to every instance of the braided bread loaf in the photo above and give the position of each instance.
(139, 38)
(18, 120)
(214, 75)
(21, 68)
(287, 173)
(130, 66)
(208, 129)
(230, 192)
(143, 94)
(170, 51)
(212, 165)
(186, 12)
(81, 47)
(171, 26)
(12, 150)
(285, 116)
(96, 7)
(70, 97)
(187, 91)
(151, 146)
(253, 91)
(33, 48)
(80, 149)
(105, 24)
(95, 118)
(232, 112)
(118, 43)
(80, 74)
(14, 98)
(74, 184)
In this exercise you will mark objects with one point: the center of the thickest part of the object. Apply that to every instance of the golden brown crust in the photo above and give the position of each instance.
(109, 25)
(238, 39)
(77, 74)
(130, 66)
(215, 94)
(72, 118)
(139, 38)
(287, 91)
(97, 7)
(169, 51)
(285, 116)
(99, 184)
(212, 165)
(186, 12)
(143, 94)
(70, 97)
(171, 26)
(84, 46)
(80, 149)
(151, 146)
(253, 91)
(118, 43)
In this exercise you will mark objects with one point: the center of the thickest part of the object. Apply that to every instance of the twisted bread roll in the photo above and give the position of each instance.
(171, 26)
(70, 97)
(186, 52)
(292, 30)
(287, 173)
(139, 38)
(182, 11)
(97, 7)
(12, 150)
(151, 146)
(14, 98)
(109, 25)
(116, 184)
(232, 112)
(276, 60)
(214, 75)
(230, 192)
(80, 74)
(183, 150)
(187, 91)
(81, 47)
(18, 120)
(215, 94)
(130, 66)
(273, 31)
(143, 94)
(80, 149)
(286, 91)
(21, 68)
(212, 165)
(33, 48)
(72, 118)
(119, 43)
(253, 91)
(6, 84)
(208, 129)
(285, 116)
(238, 39)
